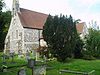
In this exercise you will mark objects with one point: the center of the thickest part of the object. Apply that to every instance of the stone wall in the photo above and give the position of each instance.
(31, 39)
(14, 38)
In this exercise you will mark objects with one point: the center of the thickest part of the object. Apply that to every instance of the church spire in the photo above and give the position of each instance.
(15, 7)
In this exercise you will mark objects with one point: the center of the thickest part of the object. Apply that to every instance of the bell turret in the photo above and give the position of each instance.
(15, 7)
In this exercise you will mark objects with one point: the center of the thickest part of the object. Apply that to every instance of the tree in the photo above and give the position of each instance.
(4, 25)
(60, 34)
(1, 21)
(78, 48)
(1, 5)
(5, 18)
(93, 43)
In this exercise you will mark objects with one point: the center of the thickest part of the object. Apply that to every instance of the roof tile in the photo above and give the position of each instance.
(32, 19)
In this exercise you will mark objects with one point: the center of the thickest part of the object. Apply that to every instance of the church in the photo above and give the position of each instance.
(25, 30)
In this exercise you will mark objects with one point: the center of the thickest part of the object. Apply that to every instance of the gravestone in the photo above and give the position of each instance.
(27, 56)
(12, 55)
(31, 64)
(21, 72)
(20, 54)
(40, 70)
(4, 68)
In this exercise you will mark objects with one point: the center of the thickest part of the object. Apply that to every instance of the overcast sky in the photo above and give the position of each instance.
(86, 10)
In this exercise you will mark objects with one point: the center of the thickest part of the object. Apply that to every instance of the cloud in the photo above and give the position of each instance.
(79, 9)
(47, 6)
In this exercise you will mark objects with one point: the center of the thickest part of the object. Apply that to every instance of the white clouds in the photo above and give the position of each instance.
(80, 9)
(47, 6)
(8, 3)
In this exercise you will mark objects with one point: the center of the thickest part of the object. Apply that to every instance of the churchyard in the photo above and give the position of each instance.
(13, 65)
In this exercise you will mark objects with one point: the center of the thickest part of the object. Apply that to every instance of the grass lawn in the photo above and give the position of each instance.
(74, 64)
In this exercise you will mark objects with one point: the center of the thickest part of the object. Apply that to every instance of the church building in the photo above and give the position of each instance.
(25, 30)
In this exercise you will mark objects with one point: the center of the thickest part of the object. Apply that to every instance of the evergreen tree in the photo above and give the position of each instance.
(78, 48)
(5, 18)
(4, 25)
(60, 34)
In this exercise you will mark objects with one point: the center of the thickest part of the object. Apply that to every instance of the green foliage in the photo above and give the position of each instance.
(5, 19)
(61, 36)
(93, 43)
(78, 48)
(12, 68)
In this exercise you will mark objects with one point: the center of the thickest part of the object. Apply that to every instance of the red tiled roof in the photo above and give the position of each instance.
(80, 27)
(32, 19)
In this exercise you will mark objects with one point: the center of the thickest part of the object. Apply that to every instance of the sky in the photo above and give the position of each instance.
(86, 10)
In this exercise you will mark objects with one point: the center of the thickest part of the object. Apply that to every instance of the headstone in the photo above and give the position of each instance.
(44, 58)
(27, 55)
(11, 51)
(20, 54)
(12, 55)
(22, 72)
(40, 70)
(4, 68)
(31, 63)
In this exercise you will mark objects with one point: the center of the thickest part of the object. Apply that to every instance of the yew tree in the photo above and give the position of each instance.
(60, 34)
(5, 18)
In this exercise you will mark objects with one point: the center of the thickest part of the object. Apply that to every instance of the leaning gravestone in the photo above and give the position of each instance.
(22, 72)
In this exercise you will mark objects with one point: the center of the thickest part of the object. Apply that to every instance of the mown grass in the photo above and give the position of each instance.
(76, 65)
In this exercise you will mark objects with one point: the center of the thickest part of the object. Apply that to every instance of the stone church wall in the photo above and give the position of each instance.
(14, 38)
(31, 39)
